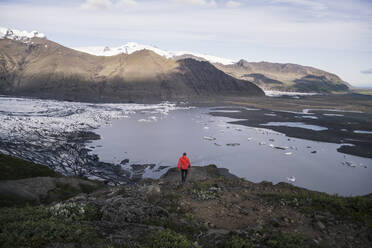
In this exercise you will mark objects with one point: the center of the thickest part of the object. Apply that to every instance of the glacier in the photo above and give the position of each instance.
(57, 133)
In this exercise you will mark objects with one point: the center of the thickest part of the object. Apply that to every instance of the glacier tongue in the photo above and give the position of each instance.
(56, 133)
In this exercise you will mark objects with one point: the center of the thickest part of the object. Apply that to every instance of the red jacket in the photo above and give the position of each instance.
(184, 163)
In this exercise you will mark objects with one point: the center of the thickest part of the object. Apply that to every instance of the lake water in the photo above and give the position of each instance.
(252, 153)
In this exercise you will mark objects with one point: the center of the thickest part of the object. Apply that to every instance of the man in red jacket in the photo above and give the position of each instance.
(184, 164)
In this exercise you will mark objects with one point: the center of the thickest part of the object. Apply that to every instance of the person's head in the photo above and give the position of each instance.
(184, 154)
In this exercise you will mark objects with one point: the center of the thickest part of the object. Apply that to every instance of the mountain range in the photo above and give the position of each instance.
(266, 75)
(32, 65)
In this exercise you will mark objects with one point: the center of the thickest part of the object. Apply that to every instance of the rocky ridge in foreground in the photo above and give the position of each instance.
(213, 209)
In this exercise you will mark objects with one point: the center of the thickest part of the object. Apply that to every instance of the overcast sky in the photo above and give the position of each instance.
(333, 35)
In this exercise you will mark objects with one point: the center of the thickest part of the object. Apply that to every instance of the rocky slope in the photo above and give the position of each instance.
(213, 209)
(41, 68)
(285, 77)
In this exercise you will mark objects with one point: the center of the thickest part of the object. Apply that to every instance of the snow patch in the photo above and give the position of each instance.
(274, 93)
(14, 34)
(132, 47)
(296, 124)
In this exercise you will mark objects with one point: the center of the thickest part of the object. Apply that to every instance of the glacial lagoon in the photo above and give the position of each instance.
(158, 134)
(256, 154)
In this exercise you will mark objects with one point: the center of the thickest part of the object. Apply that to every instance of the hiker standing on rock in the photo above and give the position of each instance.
(184, 164)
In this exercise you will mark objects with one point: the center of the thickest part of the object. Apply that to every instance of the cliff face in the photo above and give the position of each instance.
(42, 68)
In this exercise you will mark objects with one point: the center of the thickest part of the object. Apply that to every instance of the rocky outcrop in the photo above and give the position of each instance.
(212, 209)
(216, 209)
(38, 190)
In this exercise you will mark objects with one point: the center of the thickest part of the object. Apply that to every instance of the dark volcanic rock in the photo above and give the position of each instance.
(124, 162)
(44, 189)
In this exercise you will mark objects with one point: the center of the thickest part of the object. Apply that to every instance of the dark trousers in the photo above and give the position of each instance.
(183, 175)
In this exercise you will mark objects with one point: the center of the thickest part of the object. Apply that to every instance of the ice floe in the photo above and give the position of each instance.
(349, 163)
(362, 131)
(291, 179)
(309, 117)
(233, 144)
(338, 115)
(307, 111)
(295, 124)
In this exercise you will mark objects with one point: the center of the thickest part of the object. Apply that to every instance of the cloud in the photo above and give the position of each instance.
(274, 30)
(368, 71)
(306, 3)
(126, 3)
(96, 4)
(197, 2)
(233, 4)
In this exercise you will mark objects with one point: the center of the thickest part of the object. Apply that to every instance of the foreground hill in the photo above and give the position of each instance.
(285, 77)
(213, 209)
(41, 68)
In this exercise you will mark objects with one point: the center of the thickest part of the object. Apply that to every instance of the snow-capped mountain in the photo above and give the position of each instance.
(14, 34)
(266, 75)
(131, 47)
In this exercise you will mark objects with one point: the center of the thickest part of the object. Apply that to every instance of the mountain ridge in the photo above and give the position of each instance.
(43, 68)
(285, 74)
(266, 75)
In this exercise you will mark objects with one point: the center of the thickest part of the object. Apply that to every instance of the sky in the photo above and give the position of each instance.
(335, 36)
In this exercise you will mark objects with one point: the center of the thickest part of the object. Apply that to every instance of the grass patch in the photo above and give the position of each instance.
(237, 242)
(358, 208)
(64, 191)
(14, 168)
(267, 239)
(171, 203)
(39, 226)
(88, 188)
(166, 239)
(284, 240)
(189, 229)
(15, 201)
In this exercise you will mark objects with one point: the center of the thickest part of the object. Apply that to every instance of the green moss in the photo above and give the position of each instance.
(171, 203)
(190, 229)
(266, 239)
(237, 242)
(166, 239)
(283, 240)
(14, 168)
(357, 208)
(38, 226)
(64, 191)
(15, 201)
(89, 188)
